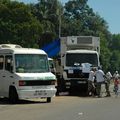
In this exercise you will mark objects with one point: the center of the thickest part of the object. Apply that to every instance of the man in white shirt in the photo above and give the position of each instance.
(107, 83)
(99, 80)
(91, 86)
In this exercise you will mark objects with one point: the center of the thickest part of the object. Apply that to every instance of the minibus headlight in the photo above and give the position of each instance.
(53, 82)
(22, 83)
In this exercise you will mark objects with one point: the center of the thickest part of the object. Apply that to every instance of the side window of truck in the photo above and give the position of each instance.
(1, 61)
(9, 63)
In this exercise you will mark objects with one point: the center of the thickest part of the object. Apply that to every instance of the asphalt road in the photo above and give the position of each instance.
(63, 108)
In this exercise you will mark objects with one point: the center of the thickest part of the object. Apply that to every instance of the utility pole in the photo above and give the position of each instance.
(60, 13)
(59, 25)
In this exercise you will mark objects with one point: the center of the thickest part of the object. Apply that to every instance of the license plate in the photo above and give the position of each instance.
(70, 71)
(40, 93)
(79, 82)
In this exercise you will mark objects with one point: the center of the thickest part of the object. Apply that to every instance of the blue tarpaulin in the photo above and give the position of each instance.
(53, 48)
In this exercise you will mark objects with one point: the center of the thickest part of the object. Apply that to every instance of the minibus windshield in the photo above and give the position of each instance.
(31, 63)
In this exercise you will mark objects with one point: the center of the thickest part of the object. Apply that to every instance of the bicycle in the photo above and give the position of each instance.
(116, 87)
(116, 90)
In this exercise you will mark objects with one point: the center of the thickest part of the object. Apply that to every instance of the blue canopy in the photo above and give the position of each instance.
(53, 48)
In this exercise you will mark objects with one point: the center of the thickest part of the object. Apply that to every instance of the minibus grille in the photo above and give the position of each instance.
(37, 82)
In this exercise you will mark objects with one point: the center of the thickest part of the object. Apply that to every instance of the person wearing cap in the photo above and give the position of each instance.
(116, 75)
(99, 80)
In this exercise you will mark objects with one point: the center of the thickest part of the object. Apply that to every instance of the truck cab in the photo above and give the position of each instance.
(52, 66)
(78, 55)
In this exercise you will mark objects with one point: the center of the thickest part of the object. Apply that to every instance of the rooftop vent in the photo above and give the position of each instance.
(10, 46)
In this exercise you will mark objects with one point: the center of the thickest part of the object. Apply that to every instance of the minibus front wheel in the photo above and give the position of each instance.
(13, 96)
(48, 99)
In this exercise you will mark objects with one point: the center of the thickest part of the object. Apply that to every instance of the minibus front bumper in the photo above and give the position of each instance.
(36, 93)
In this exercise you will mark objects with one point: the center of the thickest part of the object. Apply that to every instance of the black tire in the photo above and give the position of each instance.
(13, 96)
(61, 85)
(49, 100)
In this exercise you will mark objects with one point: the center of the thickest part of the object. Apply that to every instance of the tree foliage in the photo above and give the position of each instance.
(115, 52)
(17, 24)
(47, 12)
(34, 25)
(81, 20)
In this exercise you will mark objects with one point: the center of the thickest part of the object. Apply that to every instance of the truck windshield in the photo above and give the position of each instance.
(31, 63)
(71, 59)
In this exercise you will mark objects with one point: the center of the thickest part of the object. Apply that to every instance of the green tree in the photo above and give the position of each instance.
(115, 61)
(79, 19)
(114, 45)
(18, 25)
(47, 12)
(115, 42)
(30, 24)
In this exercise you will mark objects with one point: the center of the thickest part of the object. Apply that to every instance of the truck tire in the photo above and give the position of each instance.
(49, 100)
(13, 96)
(61, 85)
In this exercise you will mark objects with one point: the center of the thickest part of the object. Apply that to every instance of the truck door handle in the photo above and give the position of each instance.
(11, 76)
(3, 76)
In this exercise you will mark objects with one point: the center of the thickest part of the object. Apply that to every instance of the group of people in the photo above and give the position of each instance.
(97, 78)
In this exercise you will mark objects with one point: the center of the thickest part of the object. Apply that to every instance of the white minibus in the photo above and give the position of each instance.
(25, 74)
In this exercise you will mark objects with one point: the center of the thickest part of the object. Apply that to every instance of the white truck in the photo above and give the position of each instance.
(25, 73)
(52, 66)
(78, 55)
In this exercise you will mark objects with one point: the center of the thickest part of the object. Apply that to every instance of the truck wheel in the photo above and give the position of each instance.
(13, 96)
(48, 99)
(61, 85)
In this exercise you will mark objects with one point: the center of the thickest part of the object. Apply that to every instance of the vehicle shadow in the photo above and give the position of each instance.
(73, 93)
(5, 101)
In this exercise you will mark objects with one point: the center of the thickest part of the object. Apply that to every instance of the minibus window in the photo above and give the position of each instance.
(8, 63)
(1, 62)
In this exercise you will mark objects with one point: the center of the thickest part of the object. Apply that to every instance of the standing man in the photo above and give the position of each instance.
(99, 80)
(91, 86)
(107, 83)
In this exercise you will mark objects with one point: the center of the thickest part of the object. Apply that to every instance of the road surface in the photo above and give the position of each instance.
(63, 108)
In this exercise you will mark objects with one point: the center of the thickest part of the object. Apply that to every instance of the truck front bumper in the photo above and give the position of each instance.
(75, 83)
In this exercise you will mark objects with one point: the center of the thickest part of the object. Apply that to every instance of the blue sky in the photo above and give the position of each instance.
(107, 9)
